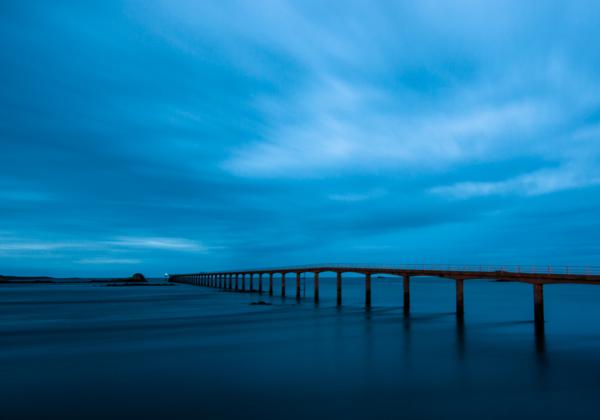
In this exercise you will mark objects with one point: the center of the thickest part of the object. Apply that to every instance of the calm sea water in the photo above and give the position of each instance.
(92, 351)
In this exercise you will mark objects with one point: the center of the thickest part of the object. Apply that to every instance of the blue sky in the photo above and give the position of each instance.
(176, 136)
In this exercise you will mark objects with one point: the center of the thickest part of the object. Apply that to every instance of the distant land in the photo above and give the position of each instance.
(136, 278)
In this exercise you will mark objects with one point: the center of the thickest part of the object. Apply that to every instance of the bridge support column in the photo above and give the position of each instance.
(282, 284)
(237, 283)
(260, 283)
(406, 286)
(538, 305)
(298, 286)
(251, 282)
(460, 307)
(230, 281)
(339, 288)
(368, 290)
(243, 282)
(316, 287)
(270, 284)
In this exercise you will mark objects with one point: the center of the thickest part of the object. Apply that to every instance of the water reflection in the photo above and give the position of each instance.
(460, 337)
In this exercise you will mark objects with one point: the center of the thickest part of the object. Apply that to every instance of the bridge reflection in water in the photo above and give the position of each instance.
(236, 280)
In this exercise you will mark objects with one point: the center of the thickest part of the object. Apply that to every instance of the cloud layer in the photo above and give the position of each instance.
(184, 135)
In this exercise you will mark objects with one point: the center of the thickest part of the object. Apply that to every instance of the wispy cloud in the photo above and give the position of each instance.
(534, 183)
(168, 244)
(350, 128)
(116, 244)
(17, 245)
(355, 197)
(104, 261)
(24, 196)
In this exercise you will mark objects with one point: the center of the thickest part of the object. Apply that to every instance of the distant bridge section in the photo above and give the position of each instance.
(538, 276)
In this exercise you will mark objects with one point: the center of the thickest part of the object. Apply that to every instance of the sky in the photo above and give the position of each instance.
(183, 136)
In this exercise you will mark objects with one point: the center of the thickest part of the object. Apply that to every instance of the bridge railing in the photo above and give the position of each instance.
(514, 268)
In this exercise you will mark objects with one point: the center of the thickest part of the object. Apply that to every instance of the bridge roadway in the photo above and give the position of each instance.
(236, 280)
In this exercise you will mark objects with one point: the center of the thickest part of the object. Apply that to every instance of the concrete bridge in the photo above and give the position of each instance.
(244, 280)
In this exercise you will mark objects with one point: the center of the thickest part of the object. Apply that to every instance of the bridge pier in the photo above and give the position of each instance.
(237, 286)
(368, 290)
(298, 286)
(243, 282)
(538, 305)
(316, 287)
(260, 283)
(251, 282)
(230, 281)
(270, 284)
(460, 307)
(406, 287)
(282, 284)
(339, 288)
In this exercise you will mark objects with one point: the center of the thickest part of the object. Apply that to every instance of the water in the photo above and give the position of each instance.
(91, 351)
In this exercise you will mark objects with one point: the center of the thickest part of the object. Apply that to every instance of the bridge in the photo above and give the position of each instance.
(237, 280)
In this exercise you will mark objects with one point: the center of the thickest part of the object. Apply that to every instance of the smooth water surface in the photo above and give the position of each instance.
(89, 350)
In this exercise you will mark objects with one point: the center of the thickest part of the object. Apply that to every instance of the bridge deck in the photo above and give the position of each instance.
(573, 275)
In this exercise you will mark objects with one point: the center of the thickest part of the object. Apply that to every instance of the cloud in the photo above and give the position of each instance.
(160, 243)
(351, 128)
(535, 183)
(119, 243)
(354, 197)
(43, 246)
(103, 261)
(24, 196)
